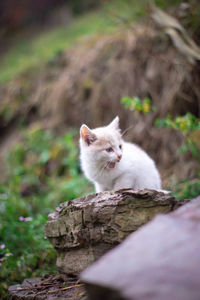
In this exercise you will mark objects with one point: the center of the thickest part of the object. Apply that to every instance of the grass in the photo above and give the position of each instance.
(27, 55)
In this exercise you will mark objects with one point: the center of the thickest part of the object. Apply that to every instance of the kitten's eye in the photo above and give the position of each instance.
(120, 146)
(110, 149)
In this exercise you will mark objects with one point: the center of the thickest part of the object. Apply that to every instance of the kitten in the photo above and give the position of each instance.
(112, 164)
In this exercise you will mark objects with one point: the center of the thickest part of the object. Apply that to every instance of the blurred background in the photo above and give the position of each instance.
(64, 63)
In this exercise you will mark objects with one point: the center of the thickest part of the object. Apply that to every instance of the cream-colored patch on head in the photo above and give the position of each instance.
(102, 145)
(107, 147)
(101, 135)
(106, 137)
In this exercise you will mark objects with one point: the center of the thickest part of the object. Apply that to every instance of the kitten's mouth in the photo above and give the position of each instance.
(111, 165)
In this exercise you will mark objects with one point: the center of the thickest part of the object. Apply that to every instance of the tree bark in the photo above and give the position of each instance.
(84, 229)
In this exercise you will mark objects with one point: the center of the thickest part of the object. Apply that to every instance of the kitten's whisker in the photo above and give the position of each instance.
(126, 130)
(99, 173)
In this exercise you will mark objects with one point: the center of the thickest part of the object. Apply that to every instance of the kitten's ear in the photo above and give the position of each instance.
(115, 124)
(87, 135)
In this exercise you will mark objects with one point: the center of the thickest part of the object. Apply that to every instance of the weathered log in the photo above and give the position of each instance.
(161, 261)
(51, 287)
(82, 230)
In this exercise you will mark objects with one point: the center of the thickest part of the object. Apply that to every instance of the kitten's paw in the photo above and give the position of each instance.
(164, 191)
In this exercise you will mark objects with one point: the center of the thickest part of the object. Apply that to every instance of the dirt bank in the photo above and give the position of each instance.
(85, 85)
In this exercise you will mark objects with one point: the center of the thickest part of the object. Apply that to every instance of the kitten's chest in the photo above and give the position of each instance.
(98, 173)
(106, 178)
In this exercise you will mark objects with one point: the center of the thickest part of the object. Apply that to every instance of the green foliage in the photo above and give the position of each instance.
(189, 126)
(43, 171)
(186, 189)
(137, 105)
(125, 12)
(185, 124)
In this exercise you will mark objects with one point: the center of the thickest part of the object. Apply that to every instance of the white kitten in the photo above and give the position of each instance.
(112, 164)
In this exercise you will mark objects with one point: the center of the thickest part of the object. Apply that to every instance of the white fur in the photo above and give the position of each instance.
(135, 169)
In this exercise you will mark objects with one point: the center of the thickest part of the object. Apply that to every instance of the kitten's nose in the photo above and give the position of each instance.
(119, 156)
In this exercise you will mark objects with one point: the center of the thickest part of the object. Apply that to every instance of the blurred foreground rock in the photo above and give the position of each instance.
(159, 261)
(84, 229)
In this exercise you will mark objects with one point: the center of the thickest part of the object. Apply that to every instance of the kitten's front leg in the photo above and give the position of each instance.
(99, 188)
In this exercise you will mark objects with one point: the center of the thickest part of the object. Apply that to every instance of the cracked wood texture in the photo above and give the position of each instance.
(49, 287)
(84, 229)
(161, 261)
